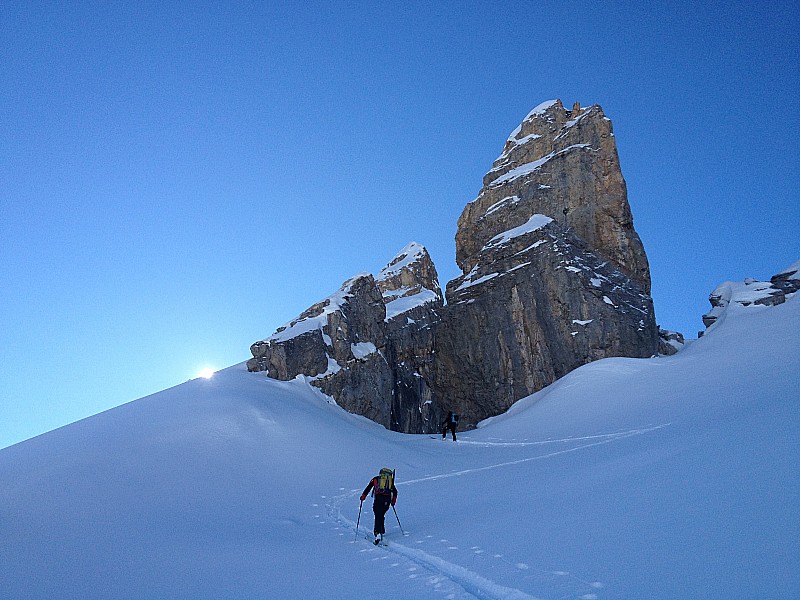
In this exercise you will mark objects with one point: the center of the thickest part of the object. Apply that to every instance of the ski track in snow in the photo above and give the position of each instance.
(600, 436)
(462, 580)
(602, 439)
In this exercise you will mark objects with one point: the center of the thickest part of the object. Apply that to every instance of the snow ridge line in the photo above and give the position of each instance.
(605, 440)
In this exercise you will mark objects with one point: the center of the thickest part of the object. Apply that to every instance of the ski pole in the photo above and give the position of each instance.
(394, 475)
(398, 519)
(358, 521)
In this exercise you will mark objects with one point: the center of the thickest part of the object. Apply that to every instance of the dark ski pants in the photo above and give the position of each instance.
(451, 427)
(380, 506)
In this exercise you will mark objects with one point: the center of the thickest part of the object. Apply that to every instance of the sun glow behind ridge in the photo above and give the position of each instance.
(205, 373)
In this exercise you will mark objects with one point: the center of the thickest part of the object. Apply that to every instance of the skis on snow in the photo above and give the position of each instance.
(379, 541)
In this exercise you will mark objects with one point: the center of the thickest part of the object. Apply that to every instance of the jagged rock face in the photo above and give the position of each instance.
(563, 306)
(341, 328)
(554, 274)
(410, 351)
(670, 342)
(365, 344)
(338, 343)
(414, 300)
(362, 386)
(787, 280)
(410, 280)
(543, 292)
(558, 160)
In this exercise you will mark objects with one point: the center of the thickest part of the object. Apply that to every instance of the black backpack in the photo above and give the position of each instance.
(454, 418)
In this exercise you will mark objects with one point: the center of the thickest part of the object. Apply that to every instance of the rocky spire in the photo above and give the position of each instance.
(562, 164)
(409, 280)
(554, 276)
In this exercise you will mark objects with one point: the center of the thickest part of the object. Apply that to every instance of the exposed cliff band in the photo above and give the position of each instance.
(554, 276)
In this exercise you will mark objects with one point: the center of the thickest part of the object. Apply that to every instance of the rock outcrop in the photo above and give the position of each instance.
(563, 164)
(339, 345)
(788, 280)
(365, 344)
(554, 276)
(414, 303)
(670, 342)
(537, 303)
(752, 292)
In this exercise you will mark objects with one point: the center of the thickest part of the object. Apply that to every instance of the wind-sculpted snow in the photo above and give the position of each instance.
(670, 477)
(752, 292)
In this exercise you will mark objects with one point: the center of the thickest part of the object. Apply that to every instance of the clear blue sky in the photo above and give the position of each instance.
(178, 180)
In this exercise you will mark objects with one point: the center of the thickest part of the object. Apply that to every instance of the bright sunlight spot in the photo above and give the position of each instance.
(206, 373)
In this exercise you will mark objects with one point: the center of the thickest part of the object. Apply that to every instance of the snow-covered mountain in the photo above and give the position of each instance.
(669, 477)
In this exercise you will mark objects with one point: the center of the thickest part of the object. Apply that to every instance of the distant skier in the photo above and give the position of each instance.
(451, 423)
(385, 494)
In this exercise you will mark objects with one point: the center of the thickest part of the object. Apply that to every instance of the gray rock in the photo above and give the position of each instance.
(562, 164)
(670, 342)
(414, 303)
(408, 280)
(752, 292)
(338, 344)
(534, 306)
(554, 276)
(788, 280)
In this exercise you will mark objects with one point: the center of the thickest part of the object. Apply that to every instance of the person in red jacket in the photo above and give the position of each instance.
(385, 494)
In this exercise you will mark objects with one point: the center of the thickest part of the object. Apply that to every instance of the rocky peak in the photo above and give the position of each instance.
(554, 276)
(562, 164)
(409, 280)
(354, 346)
(345, 326)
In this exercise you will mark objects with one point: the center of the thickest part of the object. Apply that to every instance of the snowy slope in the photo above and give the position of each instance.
(672, 477)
